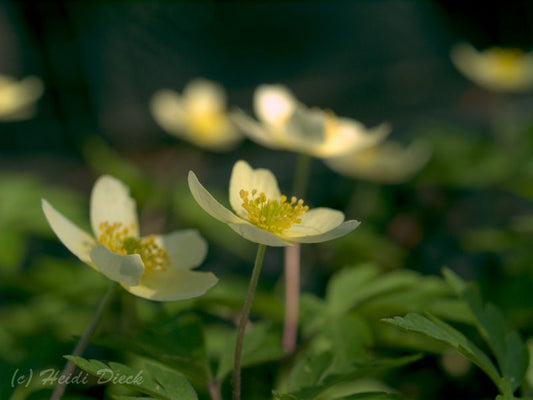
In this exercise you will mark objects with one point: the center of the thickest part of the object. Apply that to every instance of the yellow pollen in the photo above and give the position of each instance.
(118, 239)
(272, 215)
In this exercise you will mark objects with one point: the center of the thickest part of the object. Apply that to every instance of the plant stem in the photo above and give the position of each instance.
(292, 293)
(244, 320)
(292, 262)
(214, 389)
(83, 341)
(301, 175)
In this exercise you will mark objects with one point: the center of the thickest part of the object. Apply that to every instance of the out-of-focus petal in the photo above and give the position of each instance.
(168, 111)
(274, 104)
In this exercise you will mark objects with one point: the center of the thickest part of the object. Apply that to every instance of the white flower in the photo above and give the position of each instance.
(284, 123)
(387, 162)
(199, 115)
(498, 69)
(17, 98)
(262, 215)
(156, 267)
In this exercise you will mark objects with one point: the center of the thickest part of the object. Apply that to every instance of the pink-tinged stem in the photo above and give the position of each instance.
(292, 295)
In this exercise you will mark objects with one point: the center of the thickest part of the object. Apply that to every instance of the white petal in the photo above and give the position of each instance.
(76, 240)
(350, 136)
(204, 96)
(209, 203)
(243, 177)
(124, 269)
(186, 249)
(111, 202)
(389, 162)
(341, 230)
(315, 222)
(16, 97)
(173, 284)
(274, 104)
(256, 131)
(257, 235)
(168, 111)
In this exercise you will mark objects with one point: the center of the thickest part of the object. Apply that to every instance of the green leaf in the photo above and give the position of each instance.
(261, 344)
(508, 348)
(355, 285)
(156, 381)
(309, 371)
(328, 381)
(178, 343)
(372, 396)
(437, 329)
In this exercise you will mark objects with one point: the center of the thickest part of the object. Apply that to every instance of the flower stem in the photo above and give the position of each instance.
(292, 262)
(301, 175)
(83, 341)
(292, 293)
(244, 320)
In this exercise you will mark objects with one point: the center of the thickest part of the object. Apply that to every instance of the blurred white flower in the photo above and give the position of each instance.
(497, 69)
(17, 98)
(199, 115)
(284, 123)
(387, 162)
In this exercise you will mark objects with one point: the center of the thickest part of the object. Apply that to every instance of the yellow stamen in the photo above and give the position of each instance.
(118, 239)
(272, 215)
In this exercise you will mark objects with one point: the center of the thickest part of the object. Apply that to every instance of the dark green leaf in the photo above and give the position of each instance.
(437, 329)
(507, 346)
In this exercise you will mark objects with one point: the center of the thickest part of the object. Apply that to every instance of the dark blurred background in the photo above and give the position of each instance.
(374, 61)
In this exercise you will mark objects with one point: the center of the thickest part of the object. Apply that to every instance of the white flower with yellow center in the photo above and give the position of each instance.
(284, 123)
(156, 267)
(198, 116)
(17, 98)
(387, 162)
(497, 69)
(263, 215)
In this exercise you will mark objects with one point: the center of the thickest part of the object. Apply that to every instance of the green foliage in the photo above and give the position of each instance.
(506, 345)
(153, 380)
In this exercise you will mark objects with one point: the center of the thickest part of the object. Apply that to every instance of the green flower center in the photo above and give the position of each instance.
(272, 215)
(118, 239)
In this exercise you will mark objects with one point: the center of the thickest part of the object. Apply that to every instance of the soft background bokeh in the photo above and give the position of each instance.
(100, 62)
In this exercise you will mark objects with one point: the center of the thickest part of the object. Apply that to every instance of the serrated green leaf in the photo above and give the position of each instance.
(358, 371)
(439, 330)
(157, 381)
(508, 348)
(175, 384)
